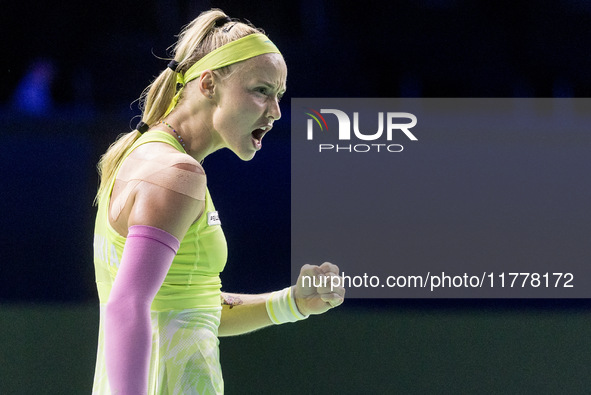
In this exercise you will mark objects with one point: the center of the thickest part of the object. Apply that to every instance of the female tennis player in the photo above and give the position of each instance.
(158, 245)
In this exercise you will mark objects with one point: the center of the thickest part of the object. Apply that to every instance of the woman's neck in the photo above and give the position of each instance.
(194, 131)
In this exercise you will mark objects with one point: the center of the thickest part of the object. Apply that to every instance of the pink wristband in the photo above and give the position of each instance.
(147, 256)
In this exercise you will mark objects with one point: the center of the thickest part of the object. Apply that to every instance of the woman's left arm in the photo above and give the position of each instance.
(314, 293)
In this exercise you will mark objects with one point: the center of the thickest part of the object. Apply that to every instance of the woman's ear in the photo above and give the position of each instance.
(207, 83)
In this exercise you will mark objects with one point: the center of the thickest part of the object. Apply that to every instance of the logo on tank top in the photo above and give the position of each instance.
(213, 218)
(105, 251)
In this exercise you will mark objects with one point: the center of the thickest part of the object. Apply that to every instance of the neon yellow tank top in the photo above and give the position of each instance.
(193, 279)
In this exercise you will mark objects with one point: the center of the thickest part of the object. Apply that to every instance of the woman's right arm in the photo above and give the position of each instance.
(158, 219)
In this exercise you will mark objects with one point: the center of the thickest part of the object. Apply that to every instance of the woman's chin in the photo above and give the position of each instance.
(245, 155)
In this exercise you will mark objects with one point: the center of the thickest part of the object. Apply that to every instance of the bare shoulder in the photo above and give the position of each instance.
(164, 153)
(169, 188)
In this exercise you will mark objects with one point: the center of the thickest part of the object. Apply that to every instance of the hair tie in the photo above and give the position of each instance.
(142, 127)
(173, 65)
(222, 21)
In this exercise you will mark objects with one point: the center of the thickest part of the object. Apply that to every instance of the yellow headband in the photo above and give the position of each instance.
(235, 51)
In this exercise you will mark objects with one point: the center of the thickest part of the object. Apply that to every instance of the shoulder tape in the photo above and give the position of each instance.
(162, 171)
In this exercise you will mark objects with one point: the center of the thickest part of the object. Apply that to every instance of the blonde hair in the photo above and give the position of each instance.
(196, 40)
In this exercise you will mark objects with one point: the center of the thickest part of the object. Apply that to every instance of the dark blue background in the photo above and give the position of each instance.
(104, 53)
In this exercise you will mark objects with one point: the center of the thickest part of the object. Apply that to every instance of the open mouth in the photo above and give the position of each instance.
(257, 136)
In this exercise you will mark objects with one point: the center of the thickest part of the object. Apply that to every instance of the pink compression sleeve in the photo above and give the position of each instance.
(147, 256)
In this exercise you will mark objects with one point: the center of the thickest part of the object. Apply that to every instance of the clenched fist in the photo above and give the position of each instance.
(316, 291)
